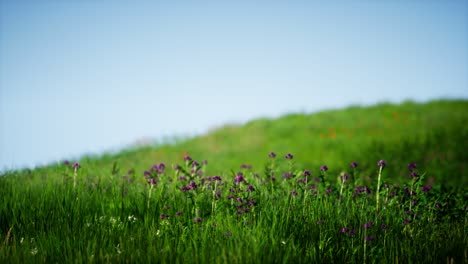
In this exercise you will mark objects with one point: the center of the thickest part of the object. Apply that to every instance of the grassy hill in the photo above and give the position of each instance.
(106, 211)
(433, 134)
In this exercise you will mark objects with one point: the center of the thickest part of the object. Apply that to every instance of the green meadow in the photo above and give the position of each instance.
(378, 184)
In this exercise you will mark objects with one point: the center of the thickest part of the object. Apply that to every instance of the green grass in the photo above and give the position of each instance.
(110, 216)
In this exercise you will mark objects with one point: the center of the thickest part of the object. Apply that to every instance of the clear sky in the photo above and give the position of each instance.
(89, 76)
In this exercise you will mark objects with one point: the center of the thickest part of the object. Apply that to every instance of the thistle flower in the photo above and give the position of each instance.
(153, 181)
(344, 177)
(367, 225)
(205, 162)
(272, 155)
(197, 220)
(352, 232)
(76, 166)
(289, 156)
(187, 158)
(324, 168)
(353, 165)
(163, 216)
(344, 230)
(239, 178)
(414, 174)
(252, 202)
(216, 178)
(66, 162)
(328, 191)
(287, 175)
(250, 188)
(306, 173)
(412, 166)
(176, 167)
(383, 226)
(426, 189)
(178, 213)
(293, 193)
(381, 163)
(193, 185)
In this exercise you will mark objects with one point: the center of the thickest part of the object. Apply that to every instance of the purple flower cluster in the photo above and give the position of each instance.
(239, 178)
(353, 165)
(346, 230)
(381, 163)
(76, 166)
(191, 186)
(324, 168)
(367, 225)
(362, 189)
(289, 156)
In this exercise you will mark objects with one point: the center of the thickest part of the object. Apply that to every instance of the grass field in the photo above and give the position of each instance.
(379, 184)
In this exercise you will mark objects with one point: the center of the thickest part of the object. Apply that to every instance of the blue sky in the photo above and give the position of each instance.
(80, 77)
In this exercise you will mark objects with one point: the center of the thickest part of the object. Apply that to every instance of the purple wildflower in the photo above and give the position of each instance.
(324, 168)
(197, 220)
(272, 155)
(289, 156)
(176, 167)
(163, 216)
(306, 173)
(367, 225)
(353, 165)
(383, 226)
(412, 166)
(352, 232)
(252, 202)
(153, 181)
(293, 193)
(426, 189)
(381, 163)
(370, 238)
(328, 191)
(76, 166)
(287, 175)
(216, 178)
(414, 174)
(250, 188)
(344, 230)
(147, 173)
(230, 197)
(66, 162)
(344, 177)
(178, 213)
(182, 178)
(205, 162)
(239, 178)
(187, 158)
(406, 221)
(239, 200)
(193, 185)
